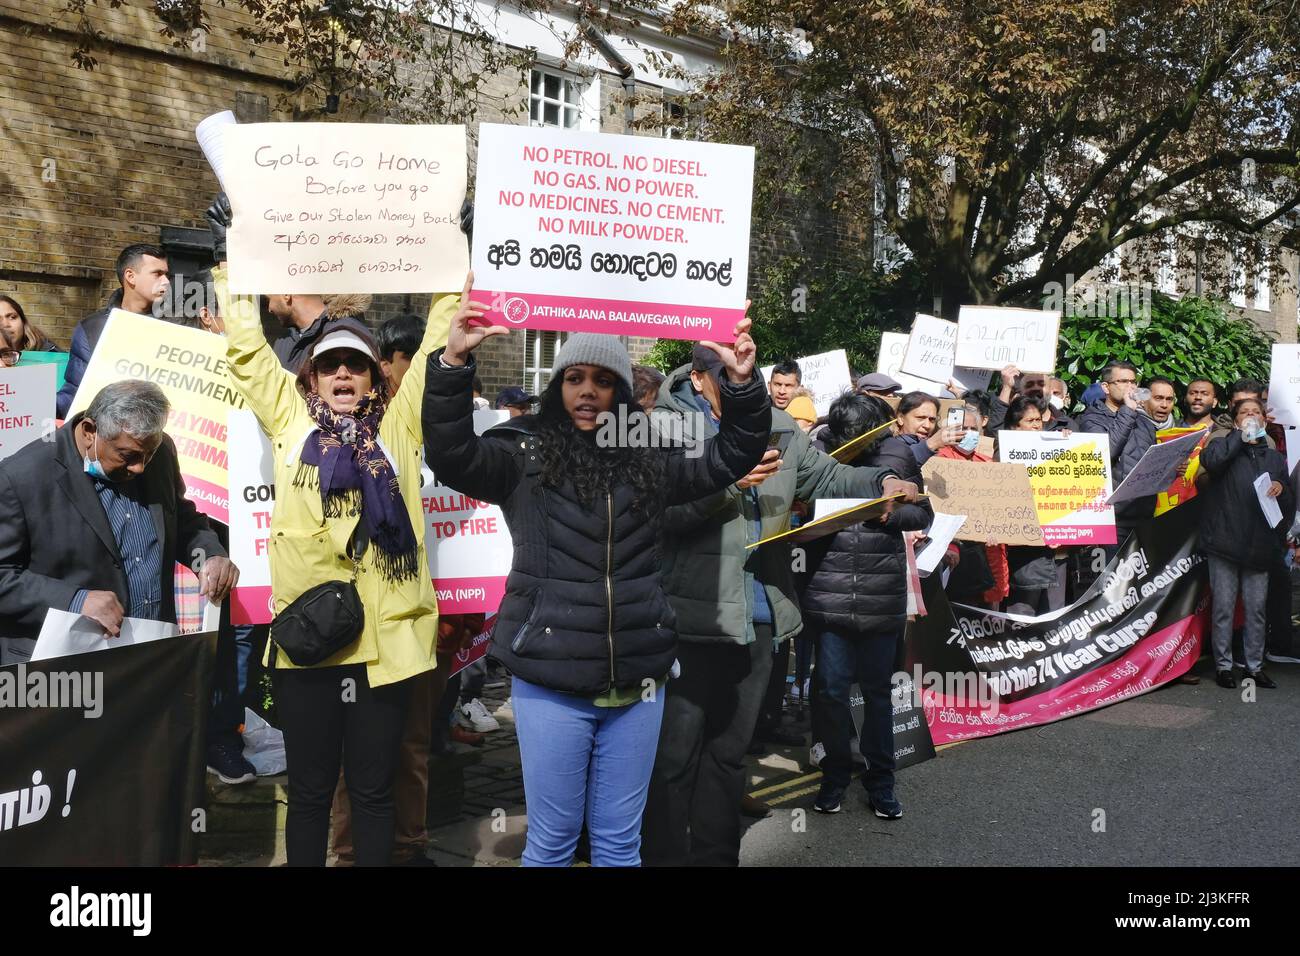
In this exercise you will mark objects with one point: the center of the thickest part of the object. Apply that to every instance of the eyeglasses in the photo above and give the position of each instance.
(10, 356)
(329, 363)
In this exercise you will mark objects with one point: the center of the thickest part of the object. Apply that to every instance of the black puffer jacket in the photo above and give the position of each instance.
(584, 611)
(1233, 526)
(858, 577)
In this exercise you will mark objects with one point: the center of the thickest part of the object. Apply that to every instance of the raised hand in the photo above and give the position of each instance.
(219, 216)
(464, 336)
(739, 358)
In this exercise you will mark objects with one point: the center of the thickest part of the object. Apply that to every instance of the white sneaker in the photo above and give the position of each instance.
(474, 716)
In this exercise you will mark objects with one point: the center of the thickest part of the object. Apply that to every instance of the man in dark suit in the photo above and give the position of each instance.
(93, 520)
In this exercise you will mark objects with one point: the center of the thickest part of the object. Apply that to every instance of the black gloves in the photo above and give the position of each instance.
(218, 216)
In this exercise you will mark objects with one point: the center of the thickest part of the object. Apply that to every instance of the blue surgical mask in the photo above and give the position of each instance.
(970, 441)
(91, 466)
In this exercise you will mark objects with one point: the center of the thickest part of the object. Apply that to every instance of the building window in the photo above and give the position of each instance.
(1237, 281)
(677, 120)
(1167, 276)
(539, 355)
(555, 99)
(1263, 286)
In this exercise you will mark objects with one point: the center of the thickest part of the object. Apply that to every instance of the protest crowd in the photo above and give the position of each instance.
(650, 639)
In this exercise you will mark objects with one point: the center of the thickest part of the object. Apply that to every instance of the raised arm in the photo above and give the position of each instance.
(267, 388)
(406, 405)
(731, 453)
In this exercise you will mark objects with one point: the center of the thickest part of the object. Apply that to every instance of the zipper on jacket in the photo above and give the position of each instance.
(609, 583)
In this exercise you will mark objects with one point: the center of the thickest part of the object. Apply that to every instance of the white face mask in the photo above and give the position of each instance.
(1056, 402)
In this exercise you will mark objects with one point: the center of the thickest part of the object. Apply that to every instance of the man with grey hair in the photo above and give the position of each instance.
(95, 518)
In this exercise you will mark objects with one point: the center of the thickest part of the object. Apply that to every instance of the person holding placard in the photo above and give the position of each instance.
(585, 626)
(1036, 578)
(1238, 538)
(1131, 434)
(856, 599)
(347, 508)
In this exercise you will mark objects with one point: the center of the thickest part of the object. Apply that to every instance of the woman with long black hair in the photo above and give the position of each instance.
(585, 627)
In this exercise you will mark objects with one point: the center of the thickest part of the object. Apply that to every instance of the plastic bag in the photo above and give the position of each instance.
(263, 745)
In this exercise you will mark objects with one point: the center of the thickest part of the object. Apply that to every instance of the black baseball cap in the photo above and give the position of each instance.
(514, 395)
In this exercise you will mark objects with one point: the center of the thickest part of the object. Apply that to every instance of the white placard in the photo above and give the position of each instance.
(942, 530)
(345, 207)
(211, 134)
(598, 232)
(1156, 469)
(26, 405)
(825, 507)
(826, 375)
(931, 349)
(992, 337)
(892, 347)
(1272, 510)
(1284, 385)
(252, 499)
(65, 633)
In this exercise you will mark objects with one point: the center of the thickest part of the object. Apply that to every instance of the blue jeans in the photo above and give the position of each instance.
(867, 659)
(583, 760)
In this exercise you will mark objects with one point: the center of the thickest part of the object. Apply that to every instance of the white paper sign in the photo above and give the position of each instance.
(1272, 511)
(931, 349)
(942, 530)
(892, 347)
(1156, 469)
(825, 507)
(65, 633)
(252, 499)
(26, 405)
(991, 337)
(211, 134)
(1284, 385)
(825, 375)
(345, 207)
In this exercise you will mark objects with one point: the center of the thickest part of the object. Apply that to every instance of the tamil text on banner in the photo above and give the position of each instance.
(252, 500)
(996, 499)
(825, 375)
(1183, 488)
(468, 542)
(991, 337)
(1070, 478)
(102, 755)
(190, 367)
(345, 207)
(26, 406)
(627, 235)
(1284, 384)
(1159, 466)
(1141, 625)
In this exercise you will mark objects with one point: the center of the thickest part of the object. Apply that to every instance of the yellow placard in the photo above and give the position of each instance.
(850, 450)
(189, 365)
(831, 523)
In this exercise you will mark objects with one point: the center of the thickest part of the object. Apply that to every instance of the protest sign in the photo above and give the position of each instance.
(991, 337)
(1139, 626)
(1070, 477)
(26, 406)
(931, 349)
(835, 520)
(102, 755)
(467, 542)
(1183, 488)
(825, 375)
(345, 207)
(477, 649)
(626, 235)
(851, 449)
(1157, 469)
(942, 530)
(1284, 384)
(996, 499)
(893, 345)
(189, 366)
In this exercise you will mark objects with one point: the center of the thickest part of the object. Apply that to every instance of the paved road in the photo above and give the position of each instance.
(1186, 776)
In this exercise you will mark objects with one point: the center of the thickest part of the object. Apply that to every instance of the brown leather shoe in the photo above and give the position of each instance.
(753, 807)
(463, 736)
(1188, 679)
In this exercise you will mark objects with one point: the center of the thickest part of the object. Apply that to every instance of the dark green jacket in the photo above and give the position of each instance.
(707, 573)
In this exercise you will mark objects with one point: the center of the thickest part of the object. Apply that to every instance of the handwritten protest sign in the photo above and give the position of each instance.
(627, 235)
(996, 499)
(834, 521)
(189, 366)
(1183, 487)
(825, 375)
(26, 406)
(1158, 467)
(1284, 384)
(1070, 478)
(467, 542)
(991, 337)
(893, 345)
(931, 349)
(345, 207)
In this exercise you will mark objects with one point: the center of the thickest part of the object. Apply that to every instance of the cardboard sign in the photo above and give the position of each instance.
(1158, 467)
(625, 235)
(996, 499)
(1070, 478)
(992, 337)
(931, 349)
(189, 365)
(1284, 384)
(825, 375)
(345, 207)
(836, 521)
(26, 406)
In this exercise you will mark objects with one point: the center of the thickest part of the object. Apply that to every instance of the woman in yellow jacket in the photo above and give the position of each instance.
(347, 479)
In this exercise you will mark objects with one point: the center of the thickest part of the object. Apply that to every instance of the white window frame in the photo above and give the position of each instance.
(1237, 281)
(578, 97)
(1263, 291)
(1167, 273)
(539, 355)
(681, 130)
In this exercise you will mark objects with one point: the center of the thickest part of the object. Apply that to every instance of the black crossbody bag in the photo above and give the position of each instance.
(323, 620)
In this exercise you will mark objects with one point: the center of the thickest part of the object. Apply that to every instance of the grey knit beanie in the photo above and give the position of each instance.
(592, 348)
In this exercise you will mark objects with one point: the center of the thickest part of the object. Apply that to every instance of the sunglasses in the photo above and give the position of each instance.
(330, 362)
(10, 356)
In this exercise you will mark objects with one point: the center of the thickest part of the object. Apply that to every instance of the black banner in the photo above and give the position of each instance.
(102, 755)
